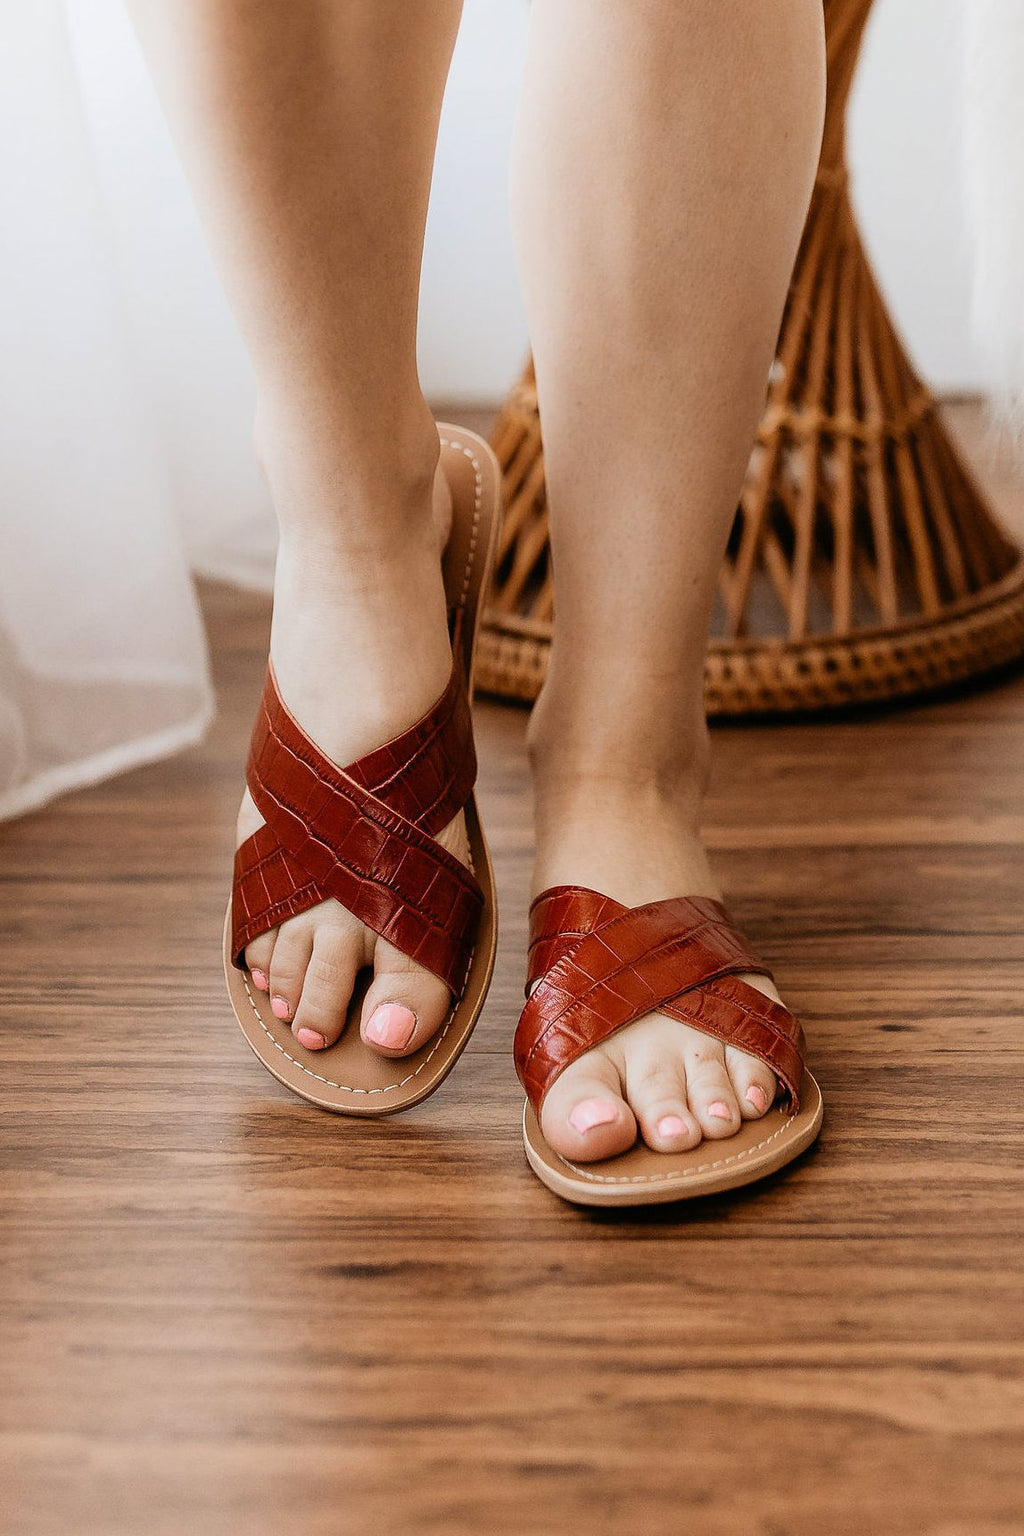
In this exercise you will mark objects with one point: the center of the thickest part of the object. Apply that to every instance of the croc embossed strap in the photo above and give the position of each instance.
(364, 834)
(600, 965)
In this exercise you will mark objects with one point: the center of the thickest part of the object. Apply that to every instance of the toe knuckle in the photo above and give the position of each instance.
(705, 1075)
(327, 970)
(317, 1010)
(658, 1077)
(336, 928)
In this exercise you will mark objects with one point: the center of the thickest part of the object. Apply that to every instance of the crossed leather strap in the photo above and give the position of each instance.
(601, 965)
(364, 834)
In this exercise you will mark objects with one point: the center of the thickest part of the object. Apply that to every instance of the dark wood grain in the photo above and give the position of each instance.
(227, 1312)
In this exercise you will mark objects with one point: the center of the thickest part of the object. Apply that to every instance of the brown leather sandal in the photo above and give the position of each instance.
(365, 835)
(598, 966)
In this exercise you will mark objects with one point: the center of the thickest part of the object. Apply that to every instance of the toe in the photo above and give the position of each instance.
(404, 1004)
(753, 1083)
(656, 1090)
(288, 968)
(258, 956)
(323, 1004)
(584, 1116)
(709, 1090)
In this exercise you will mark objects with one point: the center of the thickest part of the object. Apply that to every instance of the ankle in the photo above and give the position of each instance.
(359, 637)
(638, 841)
(620, 811)
(664, 764)
(340, 486)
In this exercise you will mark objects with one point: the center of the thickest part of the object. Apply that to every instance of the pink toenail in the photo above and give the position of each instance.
(310, 1039)
(279, 1007)
(758, 1098)
(392, 1025)
(672, 1126)
(260, 980)
(719, 1111)
(592, 1112)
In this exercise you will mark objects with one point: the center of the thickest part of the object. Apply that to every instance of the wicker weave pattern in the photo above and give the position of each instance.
(862, 563)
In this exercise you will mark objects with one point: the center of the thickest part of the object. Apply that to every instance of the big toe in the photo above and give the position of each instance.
(405, 1005)
(584, 1116)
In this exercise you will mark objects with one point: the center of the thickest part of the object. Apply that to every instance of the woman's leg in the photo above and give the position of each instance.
(664, 158)
(308, 130)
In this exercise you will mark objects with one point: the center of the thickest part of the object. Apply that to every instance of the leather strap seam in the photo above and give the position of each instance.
(656, 952)
(478, 493)
(730, 932)
(752, 1013)
(306, 750)
(378, 789)
(279, 848)
(301, 900)
(429, 846)
(747, 1008)
(573, 933)
(365, 803)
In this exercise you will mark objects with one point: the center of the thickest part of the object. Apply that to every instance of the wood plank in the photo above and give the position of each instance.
(226, 1312)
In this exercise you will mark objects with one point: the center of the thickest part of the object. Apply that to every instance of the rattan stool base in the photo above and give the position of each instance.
(770, 677)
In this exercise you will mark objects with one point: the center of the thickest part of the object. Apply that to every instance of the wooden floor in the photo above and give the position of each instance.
(226, 1312)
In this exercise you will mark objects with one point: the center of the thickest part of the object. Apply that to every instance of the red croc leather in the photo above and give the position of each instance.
(596, 966)
(365, 834)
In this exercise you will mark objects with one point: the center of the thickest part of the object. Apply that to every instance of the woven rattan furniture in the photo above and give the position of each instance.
(863, 563)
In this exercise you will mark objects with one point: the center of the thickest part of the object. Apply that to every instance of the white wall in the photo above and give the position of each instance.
(473, 327)
(473, 335)
(905, 142)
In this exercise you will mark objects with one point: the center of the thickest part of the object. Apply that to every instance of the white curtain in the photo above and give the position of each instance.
(102, 654)
(125, 431)
(125, 453)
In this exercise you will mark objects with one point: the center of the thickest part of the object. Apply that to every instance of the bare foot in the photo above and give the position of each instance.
(360, 649)
(656, 1078)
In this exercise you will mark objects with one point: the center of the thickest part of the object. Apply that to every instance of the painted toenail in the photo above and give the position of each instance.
(671, 1126)
(310, 1039)
(279, 1007)
(260, 980)
(392, 1025)
(758, 1098)
(719, 1111)
(592, 1112)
